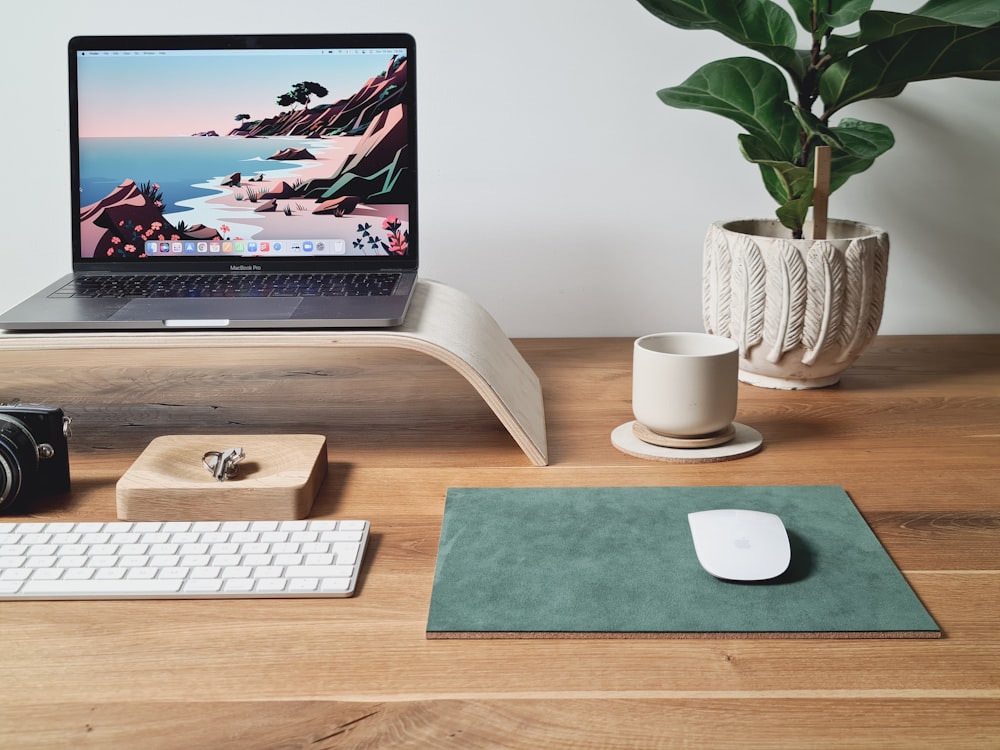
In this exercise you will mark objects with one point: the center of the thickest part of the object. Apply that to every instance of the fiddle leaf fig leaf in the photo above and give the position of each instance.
(879, 25)
(961, 12)
(793, 213)
(760, 25)
(865, 139)
(748, 91)
(861, 143)
(827, 15)
(814, 129)
(884, 67)
(790, 185)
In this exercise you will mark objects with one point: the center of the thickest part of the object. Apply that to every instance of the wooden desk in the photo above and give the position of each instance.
(912, 433)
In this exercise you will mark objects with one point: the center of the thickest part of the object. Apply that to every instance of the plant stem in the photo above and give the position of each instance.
(809, 91)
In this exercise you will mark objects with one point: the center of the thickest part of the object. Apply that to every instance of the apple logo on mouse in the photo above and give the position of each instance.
(740, 545)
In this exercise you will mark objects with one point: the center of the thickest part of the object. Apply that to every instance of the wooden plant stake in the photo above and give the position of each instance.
(821, 191)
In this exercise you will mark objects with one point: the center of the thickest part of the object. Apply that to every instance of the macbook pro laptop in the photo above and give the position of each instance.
(238, 182)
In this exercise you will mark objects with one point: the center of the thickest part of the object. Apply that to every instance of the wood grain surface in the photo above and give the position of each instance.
(277, 479)
(912, 433)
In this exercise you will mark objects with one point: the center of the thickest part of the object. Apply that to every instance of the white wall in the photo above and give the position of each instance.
(547, 159)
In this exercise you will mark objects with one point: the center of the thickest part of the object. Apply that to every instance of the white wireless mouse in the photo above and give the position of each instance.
(740, 545)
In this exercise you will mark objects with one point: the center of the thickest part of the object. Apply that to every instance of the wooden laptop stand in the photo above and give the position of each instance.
(442, 322)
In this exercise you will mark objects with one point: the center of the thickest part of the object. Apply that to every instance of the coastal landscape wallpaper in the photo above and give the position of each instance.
(256, 153)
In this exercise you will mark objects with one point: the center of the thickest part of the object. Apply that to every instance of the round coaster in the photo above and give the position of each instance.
(646, 435)
(746, 442)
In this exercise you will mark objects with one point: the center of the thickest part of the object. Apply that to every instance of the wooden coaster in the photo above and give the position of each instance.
(646, 435)
(278, 480)
(746, 442)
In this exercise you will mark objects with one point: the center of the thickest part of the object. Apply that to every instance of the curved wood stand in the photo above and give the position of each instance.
(441, 322)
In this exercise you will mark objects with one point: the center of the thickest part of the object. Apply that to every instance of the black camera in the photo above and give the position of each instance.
(34, 452)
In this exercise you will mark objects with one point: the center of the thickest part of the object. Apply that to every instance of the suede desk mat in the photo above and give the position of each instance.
(618, 562)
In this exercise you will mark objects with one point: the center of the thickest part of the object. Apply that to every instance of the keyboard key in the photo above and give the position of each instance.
(202, 586)
(346, 553)
(335, 584)
(237, 585)
(98, 588)
(270, 585)
(318, 571)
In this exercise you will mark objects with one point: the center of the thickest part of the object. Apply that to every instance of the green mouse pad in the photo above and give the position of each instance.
(618, 562)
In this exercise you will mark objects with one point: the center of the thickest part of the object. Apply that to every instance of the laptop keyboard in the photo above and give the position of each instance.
(215, 285)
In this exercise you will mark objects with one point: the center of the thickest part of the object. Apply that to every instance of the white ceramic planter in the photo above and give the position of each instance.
(801, 311)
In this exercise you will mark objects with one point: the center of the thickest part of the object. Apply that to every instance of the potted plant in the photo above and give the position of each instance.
(804, 298)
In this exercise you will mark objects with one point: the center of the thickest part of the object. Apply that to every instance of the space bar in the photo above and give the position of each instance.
(96, 588)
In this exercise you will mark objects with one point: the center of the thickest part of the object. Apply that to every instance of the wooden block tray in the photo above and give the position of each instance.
(278, 479)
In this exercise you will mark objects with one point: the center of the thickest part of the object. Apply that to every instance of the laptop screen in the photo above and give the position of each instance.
(284, 151)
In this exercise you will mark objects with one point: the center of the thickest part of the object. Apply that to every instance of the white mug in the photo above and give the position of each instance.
(684, 384)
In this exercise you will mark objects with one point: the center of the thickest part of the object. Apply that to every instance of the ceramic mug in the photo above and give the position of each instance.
(684, 384)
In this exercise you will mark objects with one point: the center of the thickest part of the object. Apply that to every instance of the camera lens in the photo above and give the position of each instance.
(18, 459)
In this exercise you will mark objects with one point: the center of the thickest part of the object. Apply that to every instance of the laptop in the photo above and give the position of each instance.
(237, 182)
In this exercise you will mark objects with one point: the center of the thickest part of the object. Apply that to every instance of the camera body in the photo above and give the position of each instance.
(34, 452)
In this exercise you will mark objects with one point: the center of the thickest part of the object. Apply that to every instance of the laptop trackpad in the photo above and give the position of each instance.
(217, 309)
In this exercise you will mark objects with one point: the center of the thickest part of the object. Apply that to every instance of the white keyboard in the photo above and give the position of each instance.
(180, 560)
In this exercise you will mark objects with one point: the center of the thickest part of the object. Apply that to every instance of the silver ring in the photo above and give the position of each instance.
(223, 465)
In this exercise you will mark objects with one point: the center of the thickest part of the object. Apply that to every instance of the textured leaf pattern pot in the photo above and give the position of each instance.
(801, 311)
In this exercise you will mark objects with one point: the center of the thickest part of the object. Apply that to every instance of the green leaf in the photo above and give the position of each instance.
(829, 14)
(748, 91)
(760, 25)
(793, 213)
(775, 180)
(883, 68)
(845, 12)
(863, 139)
(776, 187)
(814, 129)
(861, 143)
(756, 21)
(877, 25)
(975, 13)
(790, 185)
